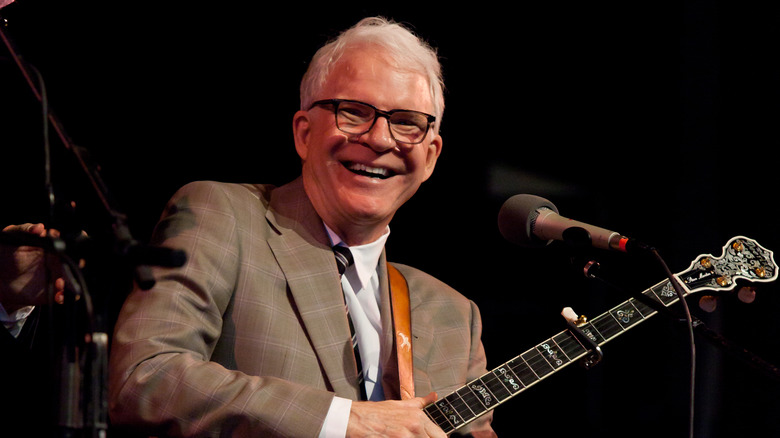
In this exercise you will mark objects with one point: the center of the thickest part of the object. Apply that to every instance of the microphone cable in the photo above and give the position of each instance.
(689, 325)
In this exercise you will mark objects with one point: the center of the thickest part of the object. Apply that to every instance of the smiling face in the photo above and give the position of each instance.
(357, 182)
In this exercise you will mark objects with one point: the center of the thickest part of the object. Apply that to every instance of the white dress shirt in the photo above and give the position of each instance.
(361, 292)
(14, 321)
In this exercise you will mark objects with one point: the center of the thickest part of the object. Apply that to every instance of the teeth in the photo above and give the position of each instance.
(356, 167)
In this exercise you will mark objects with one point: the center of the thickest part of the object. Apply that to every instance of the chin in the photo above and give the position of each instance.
(374, 211)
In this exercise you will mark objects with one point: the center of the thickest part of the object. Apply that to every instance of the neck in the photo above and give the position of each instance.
(356, 235)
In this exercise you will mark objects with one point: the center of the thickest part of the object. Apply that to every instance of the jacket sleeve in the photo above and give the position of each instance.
(161, 377)
(447, 345)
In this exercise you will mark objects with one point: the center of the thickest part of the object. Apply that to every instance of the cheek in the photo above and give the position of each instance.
(320, 166)
(422, 163)
(316, 136)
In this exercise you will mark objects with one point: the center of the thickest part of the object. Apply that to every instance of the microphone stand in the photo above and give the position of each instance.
(83, 402)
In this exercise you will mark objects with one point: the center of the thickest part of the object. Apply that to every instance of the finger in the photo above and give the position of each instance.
(59, 285)
(38, 229)
(431, 429)
(25, 228)
(428, 399)
(434, 431)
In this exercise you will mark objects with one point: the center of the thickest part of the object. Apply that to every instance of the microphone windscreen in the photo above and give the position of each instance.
(517, 216)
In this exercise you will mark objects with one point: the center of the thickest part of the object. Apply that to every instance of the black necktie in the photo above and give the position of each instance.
(343, 258)
(343, 261)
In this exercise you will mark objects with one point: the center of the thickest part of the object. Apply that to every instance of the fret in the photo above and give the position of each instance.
(496, 387)
(512, 383)
(626, 315)
(643, 308)
(550, 351)
(449, 413)
(654, 292)
(537, 363)
(471, 402)
(591, 332)
(433, 412)
(482, 393)
(570, 345)
(665, 292)
(607, 326)
(649, 293)
(461, 407)
(522, 371)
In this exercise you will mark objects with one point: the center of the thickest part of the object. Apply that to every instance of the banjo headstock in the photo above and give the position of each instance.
(743, 259)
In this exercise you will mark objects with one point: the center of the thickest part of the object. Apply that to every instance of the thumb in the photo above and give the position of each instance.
(428, 399)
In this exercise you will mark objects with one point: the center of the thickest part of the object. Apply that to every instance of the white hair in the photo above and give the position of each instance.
(405, 48)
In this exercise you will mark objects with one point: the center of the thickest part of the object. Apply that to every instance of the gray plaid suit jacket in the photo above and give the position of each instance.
(250, 337)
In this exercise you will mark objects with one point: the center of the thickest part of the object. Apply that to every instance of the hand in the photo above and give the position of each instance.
(393, 418)
(23, 271)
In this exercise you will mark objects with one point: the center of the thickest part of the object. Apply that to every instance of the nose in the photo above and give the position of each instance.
(379, 137)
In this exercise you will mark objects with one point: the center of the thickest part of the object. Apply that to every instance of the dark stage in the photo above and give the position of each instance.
(655, 119)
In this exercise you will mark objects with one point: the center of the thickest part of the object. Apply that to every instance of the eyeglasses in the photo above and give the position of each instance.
(357, 118)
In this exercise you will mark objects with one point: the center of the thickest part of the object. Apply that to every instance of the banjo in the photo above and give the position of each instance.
(742, 259)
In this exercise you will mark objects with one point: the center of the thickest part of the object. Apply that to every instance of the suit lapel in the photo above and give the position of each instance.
(301, 247)
(386, 313)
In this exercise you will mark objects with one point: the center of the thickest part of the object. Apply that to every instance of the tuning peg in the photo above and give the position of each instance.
(747, 294)
(723, 281)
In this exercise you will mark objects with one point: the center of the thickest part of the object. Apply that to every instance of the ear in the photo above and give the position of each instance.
(301, 133)
(432, 154)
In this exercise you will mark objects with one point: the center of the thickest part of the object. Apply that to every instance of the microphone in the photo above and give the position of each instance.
(532, 221)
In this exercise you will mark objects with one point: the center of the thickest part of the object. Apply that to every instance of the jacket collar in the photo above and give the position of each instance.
(301, 247)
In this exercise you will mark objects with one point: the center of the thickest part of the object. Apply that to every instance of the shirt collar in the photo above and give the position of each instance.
(366, 256)
(13, 321)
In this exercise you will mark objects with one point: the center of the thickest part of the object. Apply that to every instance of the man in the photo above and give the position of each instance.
(25, 340)
(251, 337)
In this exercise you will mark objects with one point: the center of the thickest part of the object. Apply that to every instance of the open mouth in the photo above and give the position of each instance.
(371, 172)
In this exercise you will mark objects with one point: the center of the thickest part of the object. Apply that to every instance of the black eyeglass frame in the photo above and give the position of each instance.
(377, 113)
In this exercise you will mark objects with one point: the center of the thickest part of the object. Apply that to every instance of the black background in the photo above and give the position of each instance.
(655, 119)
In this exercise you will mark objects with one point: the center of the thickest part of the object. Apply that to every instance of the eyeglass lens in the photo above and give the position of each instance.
(358, 118)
